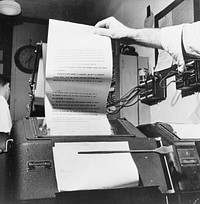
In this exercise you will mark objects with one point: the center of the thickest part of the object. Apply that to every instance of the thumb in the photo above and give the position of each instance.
(102, 31)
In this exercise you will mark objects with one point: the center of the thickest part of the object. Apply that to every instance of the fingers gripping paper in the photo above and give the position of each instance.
(94, 171)
(78, 77)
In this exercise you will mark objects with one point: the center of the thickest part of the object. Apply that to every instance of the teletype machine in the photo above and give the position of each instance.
(168, 167)
(32, 175)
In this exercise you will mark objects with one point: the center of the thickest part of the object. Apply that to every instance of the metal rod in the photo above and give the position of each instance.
(159, 150)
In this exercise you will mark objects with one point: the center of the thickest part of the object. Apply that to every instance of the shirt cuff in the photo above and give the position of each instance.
(171, 40)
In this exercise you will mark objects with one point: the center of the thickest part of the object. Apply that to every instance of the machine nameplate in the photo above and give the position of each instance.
(39, 165)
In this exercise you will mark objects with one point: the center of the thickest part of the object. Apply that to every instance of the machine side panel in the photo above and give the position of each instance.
(33, 171)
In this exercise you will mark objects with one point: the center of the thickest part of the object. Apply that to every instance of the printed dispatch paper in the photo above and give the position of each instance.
(93, 171)
(78, 78)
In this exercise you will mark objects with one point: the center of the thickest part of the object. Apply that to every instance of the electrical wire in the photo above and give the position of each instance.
(129, 99)
(164, 78)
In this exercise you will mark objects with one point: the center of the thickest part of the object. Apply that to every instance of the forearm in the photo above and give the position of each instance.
(169, 39)
(112, 28)
(179, 41)
(146, 37)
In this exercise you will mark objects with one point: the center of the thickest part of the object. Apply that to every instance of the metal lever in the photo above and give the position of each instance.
(159, 150)
(6, 149)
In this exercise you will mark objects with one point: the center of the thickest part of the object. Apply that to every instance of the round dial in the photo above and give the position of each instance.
(25, 58)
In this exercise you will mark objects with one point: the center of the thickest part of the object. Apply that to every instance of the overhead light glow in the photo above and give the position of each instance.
(9, 7)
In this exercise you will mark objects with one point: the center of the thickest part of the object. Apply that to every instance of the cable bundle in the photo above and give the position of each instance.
(129, 99)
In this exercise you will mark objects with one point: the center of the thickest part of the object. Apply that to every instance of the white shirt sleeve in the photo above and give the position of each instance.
(182, 41)
(191, 39)
(5, 118)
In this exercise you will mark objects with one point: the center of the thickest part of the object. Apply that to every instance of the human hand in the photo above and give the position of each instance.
(111, 27)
